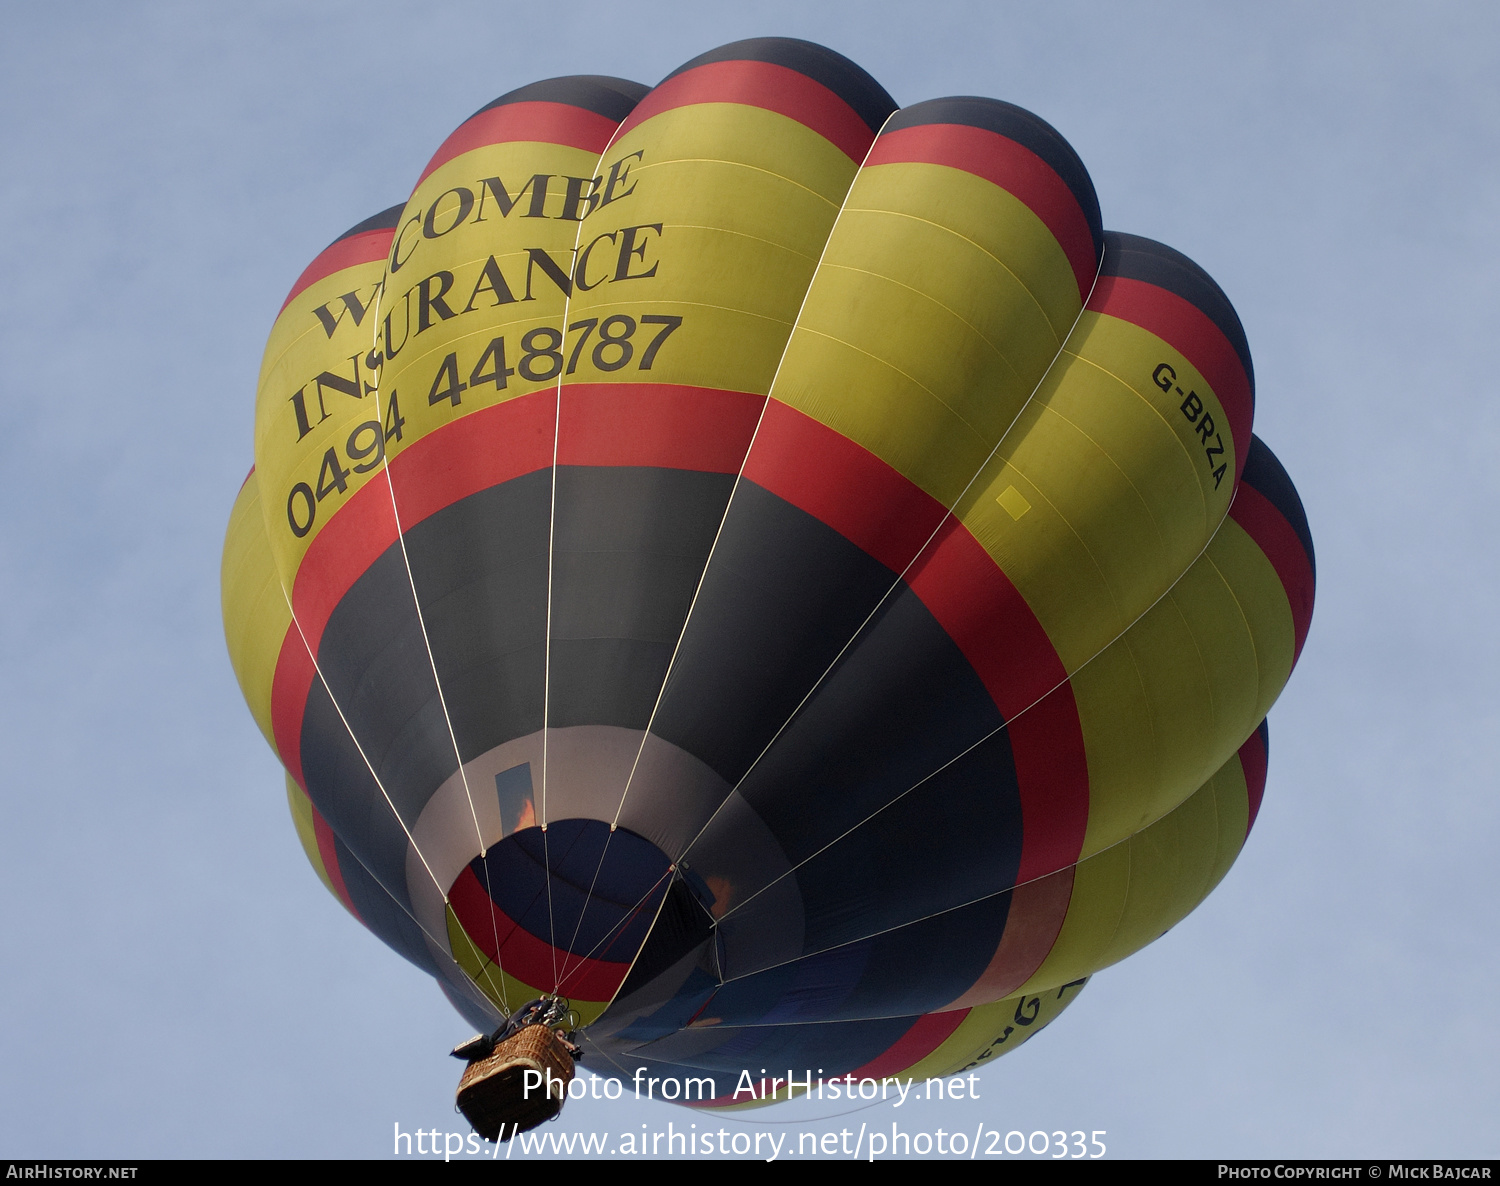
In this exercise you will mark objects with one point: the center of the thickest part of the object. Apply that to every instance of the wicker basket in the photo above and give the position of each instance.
(492, 1094)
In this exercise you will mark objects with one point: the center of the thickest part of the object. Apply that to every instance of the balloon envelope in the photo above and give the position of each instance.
(766, 566)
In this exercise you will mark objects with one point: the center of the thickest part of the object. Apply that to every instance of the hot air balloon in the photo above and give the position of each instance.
(763, 573)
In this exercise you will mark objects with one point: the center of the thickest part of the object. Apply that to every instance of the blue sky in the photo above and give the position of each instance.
(175, 980)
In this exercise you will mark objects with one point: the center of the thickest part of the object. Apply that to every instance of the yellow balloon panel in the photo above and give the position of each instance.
(1262, 599)
(472, 316)
(302, 819)
(940, 303)
(1189, 736)
(1131, 893)
(318, 435)
(729, 207)
(256, 614)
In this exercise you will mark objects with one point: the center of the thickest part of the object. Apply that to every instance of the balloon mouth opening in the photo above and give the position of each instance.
(562, 910)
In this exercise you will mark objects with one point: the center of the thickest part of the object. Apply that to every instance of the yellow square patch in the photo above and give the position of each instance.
(1013, 501)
